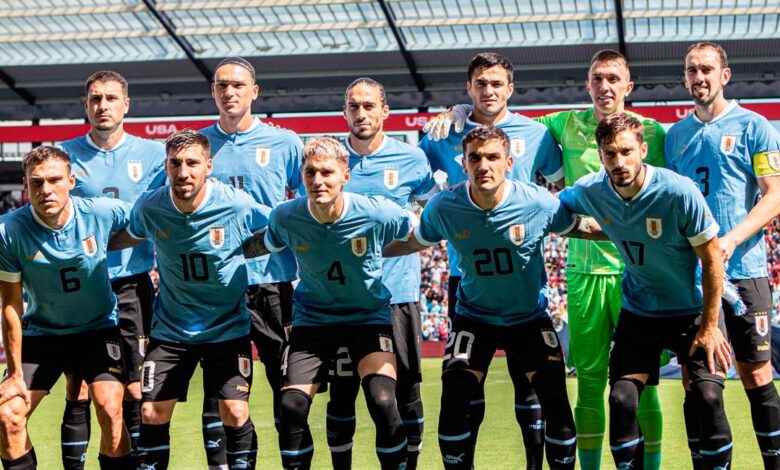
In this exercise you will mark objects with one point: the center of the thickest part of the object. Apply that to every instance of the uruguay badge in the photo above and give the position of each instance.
(217, 237)
(244, 366)
(134, 170)
(654, 227)
(762, 323)
(391, 178)
(359, 246)
(727, 144)
(518, 147)
(90, 246)
(550, 338)
(114, 351)
(517, 233)
(263, 156)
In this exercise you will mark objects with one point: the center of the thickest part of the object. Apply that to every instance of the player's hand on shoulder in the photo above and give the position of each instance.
(438, 128)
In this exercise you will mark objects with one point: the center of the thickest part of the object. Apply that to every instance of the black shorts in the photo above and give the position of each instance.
(638, 342)
(472, 344)
(168, 368)
(312, 348)
(751, 334)
(95, 356)
(135, 296)
(452, 294)
(270, 308)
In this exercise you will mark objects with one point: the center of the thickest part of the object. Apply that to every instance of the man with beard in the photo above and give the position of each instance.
(383, 166)
(734, 156)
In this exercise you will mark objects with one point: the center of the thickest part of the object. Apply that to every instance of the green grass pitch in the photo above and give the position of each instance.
(499, 445)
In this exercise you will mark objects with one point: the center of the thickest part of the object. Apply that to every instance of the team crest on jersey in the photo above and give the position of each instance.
(654, 227)
(550, 338)
(773, 158)
(114, 351)
(385, 344)
(244, 366)
(90, 245)
(762, 323)
(359, 246)
(134, 170)
(728, 143)
(517, 233)
(217, 237)
(391, 178)
(263, 156)
(518, 147)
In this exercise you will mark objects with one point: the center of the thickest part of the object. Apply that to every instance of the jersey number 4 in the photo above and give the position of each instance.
(335, 273)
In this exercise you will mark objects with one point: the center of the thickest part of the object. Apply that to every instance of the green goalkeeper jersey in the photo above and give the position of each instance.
(575, 132)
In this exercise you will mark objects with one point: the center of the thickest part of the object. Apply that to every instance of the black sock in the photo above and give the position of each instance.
(765, 410)
(457, 450)
(241, 445)
(131, 413)
(124, 462)
(716, 442)
(295, 441)
(26, 462)
(528, 413)
(74, 434)
(410, 407)
(476, 412)
(154, 446)
(213, 432)
(391, 443)
(625, 437)
(693, 429)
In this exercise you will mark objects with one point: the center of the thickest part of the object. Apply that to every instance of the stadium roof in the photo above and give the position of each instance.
(307, 51)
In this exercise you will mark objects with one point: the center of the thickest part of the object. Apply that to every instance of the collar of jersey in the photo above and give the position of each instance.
(255, 123)
(67, 222)
(509, 188)
(92, 143)
(650, 171)
(507, 116)
(372, 154)
(205, 200)
(731, 106)
(347, 200)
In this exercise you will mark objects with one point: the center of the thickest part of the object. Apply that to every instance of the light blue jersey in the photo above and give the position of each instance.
(63, 271)
(502, 253)
(655, 233)
(263, 161)
(531, 145)
(726, 157)
(400, 172)
(341, 262)
(133, 166)
(203, 275)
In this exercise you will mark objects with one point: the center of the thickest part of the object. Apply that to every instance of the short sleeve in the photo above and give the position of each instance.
(293, 166)
(554, 122)
(765, 150)
(562, 219)
(429, 232)
(697, 223)
(272, 239)
(572, 198)
(397, 222)
(425, 182)
(10, 270)
(551, 165)
(136, 227)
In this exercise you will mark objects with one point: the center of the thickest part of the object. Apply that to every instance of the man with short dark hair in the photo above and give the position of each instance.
(198, 228)
(490, 85)
(263, 161)
(734, 156)
(661, 227)
(108, 162)
(383, 166)
(55, 248)
(498, 226)
(337, 238)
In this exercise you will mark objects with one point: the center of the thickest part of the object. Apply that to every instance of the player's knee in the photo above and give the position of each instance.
(151, 415)
(133, 391)
(755, 375)
(710, 394)
(380, 393)
(624, 396)
(234, 412)
(294, 406)
(108, 412)
(13, 416)
(457, 388)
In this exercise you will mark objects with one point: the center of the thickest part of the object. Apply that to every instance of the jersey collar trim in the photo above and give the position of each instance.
(209, 186)
(92, 143)
(650, 171)
(731, 106)
(255, 123)
(347, 202)
(372, 154)
(508, 187)
(46, 226)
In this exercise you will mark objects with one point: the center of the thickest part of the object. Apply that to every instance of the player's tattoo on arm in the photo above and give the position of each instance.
(255, 246)
(121, 240)
(586, 228)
